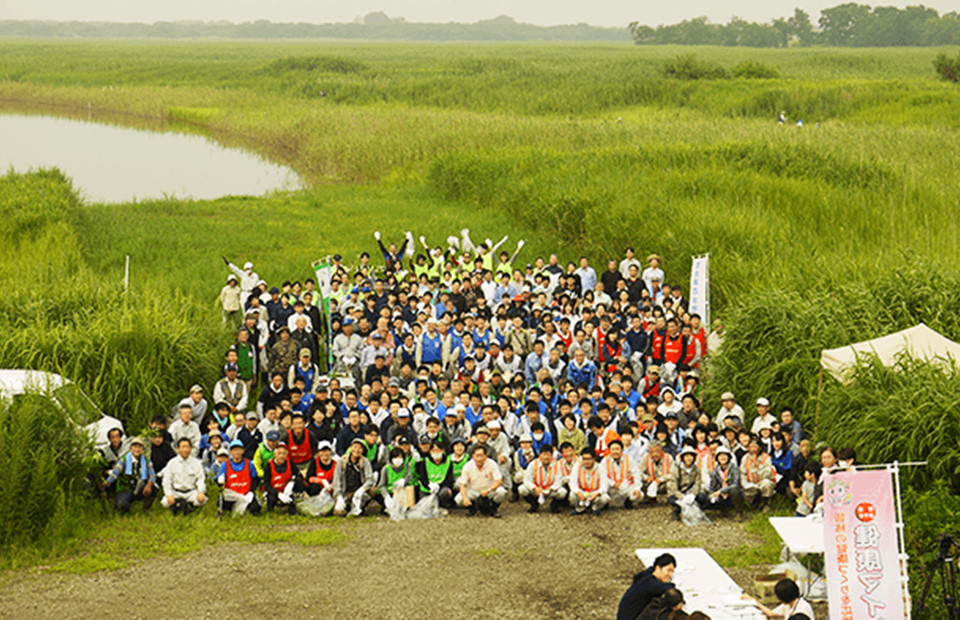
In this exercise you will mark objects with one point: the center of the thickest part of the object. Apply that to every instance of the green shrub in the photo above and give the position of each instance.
(690, 67)
(43, 465)
(948, 68)
(755, 70)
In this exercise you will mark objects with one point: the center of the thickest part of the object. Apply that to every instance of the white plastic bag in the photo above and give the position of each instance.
(427, 508)
(691, 514)
(397, 503)
(317, 506)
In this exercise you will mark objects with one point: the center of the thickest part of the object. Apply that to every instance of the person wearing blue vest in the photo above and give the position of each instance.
(305, 369)
(581, 370)
(135, 478)
(430, 350)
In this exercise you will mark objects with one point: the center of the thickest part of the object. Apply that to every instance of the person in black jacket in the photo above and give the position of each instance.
(647, 585)
(663, 606)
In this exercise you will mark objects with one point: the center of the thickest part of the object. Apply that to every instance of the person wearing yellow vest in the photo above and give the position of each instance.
(542, 481)
(655, 468)
(756, 474)
(588, 485)
(624, 478)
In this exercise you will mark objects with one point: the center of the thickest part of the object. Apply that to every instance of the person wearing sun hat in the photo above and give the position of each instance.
(684, 480)
(230, 301)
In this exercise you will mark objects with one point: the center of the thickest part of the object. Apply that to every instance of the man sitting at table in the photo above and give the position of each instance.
(647, 585)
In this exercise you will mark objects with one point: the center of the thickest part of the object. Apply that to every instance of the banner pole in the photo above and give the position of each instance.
(904, 574)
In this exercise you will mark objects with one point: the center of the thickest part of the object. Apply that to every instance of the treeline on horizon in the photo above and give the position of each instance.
(845, 25)
(371, 27)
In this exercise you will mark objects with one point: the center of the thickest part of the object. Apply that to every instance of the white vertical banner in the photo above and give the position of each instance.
(861, 557)
(700, 288)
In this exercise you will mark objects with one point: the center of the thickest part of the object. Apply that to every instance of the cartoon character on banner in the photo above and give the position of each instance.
(838, 493)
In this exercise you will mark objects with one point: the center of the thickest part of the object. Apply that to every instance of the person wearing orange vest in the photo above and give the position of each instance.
(601, 437)
(621, 472)
(588, 485)
(649, 385)
(655, 468)
(321, 470)
(542, 481)
(564, 464)
(281, 479)
(756, 474)
(239, 479)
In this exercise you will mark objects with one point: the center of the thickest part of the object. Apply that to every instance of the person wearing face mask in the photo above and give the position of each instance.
(400, 476)
(435, 475)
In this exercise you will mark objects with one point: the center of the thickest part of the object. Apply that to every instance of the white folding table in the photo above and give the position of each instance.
(705, 585)
(803, 536)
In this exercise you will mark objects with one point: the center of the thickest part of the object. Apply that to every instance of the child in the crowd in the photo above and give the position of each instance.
(809, 492)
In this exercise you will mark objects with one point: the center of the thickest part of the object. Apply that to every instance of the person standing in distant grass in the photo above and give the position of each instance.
(248, 278)
(230, 302)
(628, 260)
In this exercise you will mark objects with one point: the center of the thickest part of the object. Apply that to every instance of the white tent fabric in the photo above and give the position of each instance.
(919, 341)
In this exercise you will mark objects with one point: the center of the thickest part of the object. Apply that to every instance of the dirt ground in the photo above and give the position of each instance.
(519, 567)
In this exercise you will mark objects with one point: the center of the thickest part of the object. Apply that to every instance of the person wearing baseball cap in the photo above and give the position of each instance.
(281, 480)
(239, 480)
(230, 389)
(764, 417)
(729, 409)
(319, 477)
(134, 477)
(265, 451)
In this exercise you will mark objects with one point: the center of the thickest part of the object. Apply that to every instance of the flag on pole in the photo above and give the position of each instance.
(322, 270)
(700, 287)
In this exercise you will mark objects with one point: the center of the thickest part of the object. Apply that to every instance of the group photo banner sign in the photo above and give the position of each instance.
(861, 556)
(700, 286)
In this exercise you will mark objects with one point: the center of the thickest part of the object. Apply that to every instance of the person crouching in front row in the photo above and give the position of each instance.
(239, 479)
(481, 485)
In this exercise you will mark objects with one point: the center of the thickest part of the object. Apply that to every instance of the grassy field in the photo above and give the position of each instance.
(818, 236)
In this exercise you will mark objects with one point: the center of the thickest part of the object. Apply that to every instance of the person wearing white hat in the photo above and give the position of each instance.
(723, 489)
(683, 484)
(522, 459)
(230, 301)
(248, 278)
(764, 417)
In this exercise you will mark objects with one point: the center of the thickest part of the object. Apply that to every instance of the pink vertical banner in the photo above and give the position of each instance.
(861, 556)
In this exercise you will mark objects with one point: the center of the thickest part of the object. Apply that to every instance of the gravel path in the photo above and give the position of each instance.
(522, 566)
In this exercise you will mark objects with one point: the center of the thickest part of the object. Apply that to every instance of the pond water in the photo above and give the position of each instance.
(115, 164)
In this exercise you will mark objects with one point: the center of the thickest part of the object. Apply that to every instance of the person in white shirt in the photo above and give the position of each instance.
(589, 487)
(653, 272)
(764, 417)
(184, 482)
(728, 409)
(542, 481)
(791, 603)
(627, 262)
(186, 428)
(481, 485)
(622, 477)
(248, 279)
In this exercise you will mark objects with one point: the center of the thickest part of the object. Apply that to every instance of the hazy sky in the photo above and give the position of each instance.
(543, 12)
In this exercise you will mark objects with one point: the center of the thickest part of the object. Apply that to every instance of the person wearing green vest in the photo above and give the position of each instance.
(265, 450)
(435, 475)
(459, 457)
(398, 479)
(372, 446)
(135, 478)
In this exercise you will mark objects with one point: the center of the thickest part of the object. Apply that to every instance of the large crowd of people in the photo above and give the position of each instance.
(461, 375)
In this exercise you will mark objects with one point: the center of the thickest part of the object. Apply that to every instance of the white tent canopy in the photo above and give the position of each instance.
(919, 341)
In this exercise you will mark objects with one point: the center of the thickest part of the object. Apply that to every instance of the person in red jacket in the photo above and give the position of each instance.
(320, 472)
(300, 443)
(281, 479)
